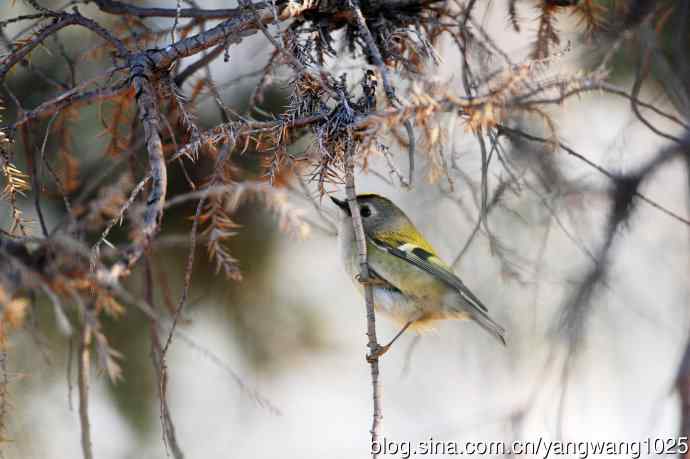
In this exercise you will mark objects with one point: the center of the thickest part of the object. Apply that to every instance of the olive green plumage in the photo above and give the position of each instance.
(411, 284)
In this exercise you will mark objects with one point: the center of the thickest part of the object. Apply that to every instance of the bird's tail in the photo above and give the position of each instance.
(489, 325)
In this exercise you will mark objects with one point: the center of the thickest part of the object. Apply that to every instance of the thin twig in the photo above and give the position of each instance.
(599, 168)
(225, 152)
(68, 371)
(4, 392)
(368, 293)
(84, 367)
(35, 183)
(387, 85)
(157, 358)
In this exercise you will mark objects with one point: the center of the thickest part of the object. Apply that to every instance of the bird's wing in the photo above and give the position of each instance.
(430, 263)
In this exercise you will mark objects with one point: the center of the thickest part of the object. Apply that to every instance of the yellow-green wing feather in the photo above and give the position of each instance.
(423, 257)
(405, 233)
(430, 263)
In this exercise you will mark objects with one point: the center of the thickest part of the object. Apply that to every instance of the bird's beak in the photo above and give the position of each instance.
(342, 204)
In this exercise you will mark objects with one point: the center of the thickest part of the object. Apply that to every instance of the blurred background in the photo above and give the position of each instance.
(293, 330)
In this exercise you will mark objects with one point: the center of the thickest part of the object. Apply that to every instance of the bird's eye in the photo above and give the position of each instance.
(365, 211)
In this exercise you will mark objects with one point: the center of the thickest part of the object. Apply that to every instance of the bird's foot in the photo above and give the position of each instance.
(377, 352)
(373, 280)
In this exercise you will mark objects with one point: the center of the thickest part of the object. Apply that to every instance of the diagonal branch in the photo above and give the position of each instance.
(231, 31)
(608, 174)
(61, 21)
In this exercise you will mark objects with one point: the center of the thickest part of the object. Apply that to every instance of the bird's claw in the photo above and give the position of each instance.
(371, 281)
(376, 353)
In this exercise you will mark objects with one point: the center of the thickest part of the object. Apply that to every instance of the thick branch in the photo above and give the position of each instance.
(149, 116)
(231, 31)
(121, 8)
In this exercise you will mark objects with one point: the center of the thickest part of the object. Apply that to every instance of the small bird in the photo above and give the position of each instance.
(411, 285)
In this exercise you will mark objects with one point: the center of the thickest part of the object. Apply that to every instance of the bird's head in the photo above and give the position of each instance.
(378, 213)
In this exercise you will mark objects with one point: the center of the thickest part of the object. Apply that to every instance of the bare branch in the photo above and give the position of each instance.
(83, 378)
(368, 293)
(61, 21)
(160, 368)
(121, 8)
(148, 114)
(375, 53)
(599, 168)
